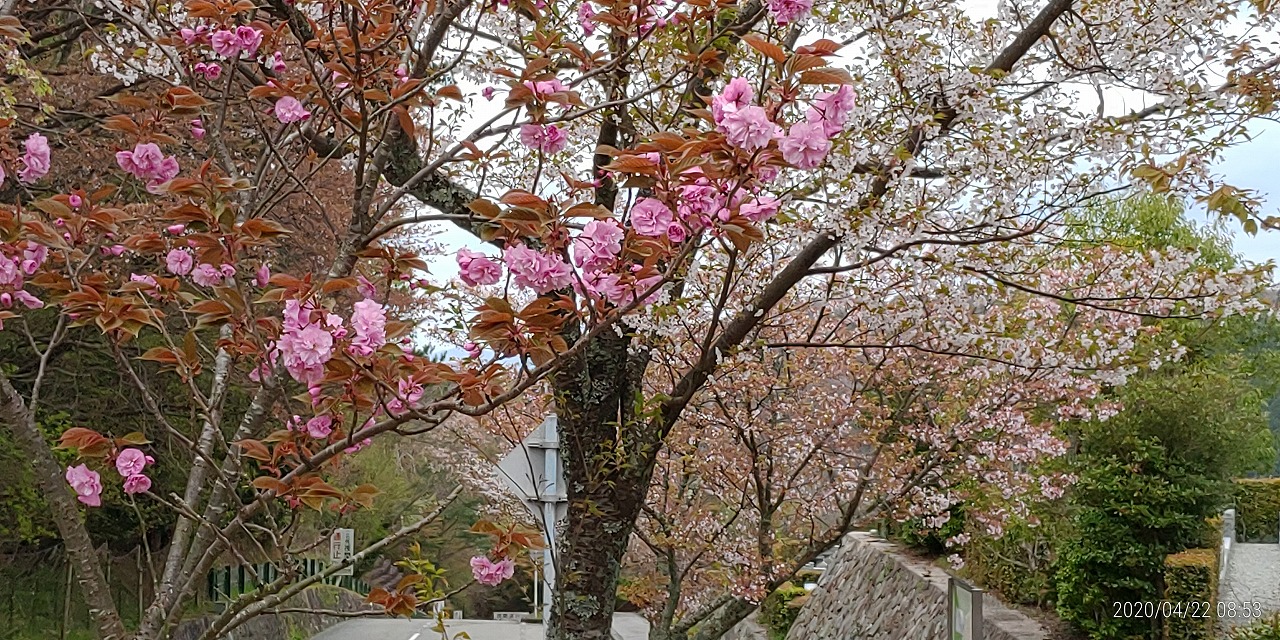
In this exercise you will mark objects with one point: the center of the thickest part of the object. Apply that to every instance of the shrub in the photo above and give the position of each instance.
(1191, 576)
(1267, 628)
(1133, 509)
(1018, 564)
(1212, 532)
(1257, 509)
(777, 612)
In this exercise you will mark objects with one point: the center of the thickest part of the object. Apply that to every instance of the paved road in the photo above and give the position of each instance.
(384, 629)
(628, 626)
(1254, 576)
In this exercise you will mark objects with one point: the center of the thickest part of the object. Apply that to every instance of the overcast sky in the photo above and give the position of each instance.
(1253, 166)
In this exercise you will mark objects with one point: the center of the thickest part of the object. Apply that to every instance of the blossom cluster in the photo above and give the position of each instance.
(129, 463)
(35, 160)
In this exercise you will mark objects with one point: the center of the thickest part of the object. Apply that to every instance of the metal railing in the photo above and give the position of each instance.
(232, 581)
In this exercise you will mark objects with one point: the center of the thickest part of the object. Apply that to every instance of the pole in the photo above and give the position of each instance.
(537, 591)
(552, 444)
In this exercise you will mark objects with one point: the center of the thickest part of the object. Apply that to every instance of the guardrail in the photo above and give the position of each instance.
(1228, 539)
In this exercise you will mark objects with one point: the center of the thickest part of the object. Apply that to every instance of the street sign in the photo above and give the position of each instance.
(533, 472)
(964, 620)
(342, 545)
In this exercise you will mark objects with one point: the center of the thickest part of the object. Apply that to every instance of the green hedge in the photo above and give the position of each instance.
(1257, 509)
(779, 610)
(1191, 576)
(1212, 532)
(1267, 628)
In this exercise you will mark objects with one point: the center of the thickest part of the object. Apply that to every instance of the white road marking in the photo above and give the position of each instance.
(414, 636)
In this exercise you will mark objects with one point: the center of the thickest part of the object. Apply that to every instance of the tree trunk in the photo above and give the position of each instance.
(63, 509)
(608, 464)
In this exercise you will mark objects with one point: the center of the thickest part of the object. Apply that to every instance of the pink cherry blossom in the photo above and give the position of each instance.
(29, 301)
(832, 109)
(210, 70)
(749, 128)
(542, 89)
(250, 39)
(179, 262)
(586, 18)
(603, 285)
(676, 232)
(355, 448)
(10, 274)
(197, 129)
(490, 573)
(472, 349)
(320, 427)
(132, 462)
(597, 245)
(650, 217)
(304, 352)
(206, 275)
(369, 320)
(787, 11)
(488, 92)
(365, 287)
(408, 393)
(805, 145)
(2, 175)
(537, 271)
(263, 277)
(738, 94)
(137, 483)
(36, 159)
(147, 162)
(86, 483)
(296, 315)
(475, 268)
(288, 110)
(277, 63)
(760, 209)
(698, 201)
(225, 43)
(545, 138)
(33, 256)
(146, 279)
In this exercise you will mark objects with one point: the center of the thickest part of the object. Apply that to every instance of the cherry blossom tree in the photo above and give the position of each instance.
(654, 188)
(833, 423)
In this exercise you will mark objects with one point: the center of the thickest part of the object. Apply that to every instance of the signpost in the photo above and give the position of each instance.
(964, 619)
(533, 471)
(342, 545)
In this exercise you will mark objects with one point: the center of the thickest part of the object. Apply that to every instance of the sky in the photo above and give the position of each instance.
(1248, 166)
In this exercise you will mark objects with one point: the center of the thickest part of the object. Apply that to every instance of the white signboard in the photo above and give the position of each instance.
(342, 545)
(965, 611)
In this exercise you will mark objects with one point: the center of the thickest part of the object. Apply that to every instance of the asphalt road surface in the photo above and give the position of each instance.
(627, 625)
(384, 629)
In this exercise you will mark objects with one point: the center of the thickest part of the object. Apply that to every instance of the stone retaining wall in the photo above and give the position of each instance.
(874, 592)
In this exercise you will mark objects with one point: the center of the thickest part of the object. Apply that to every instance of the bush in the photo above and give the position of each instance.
(1257, 504)
(1133, 509)
(1018, 564)
(1267, 628)
(1190, 576)
(1212, 532)
(778, 612)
